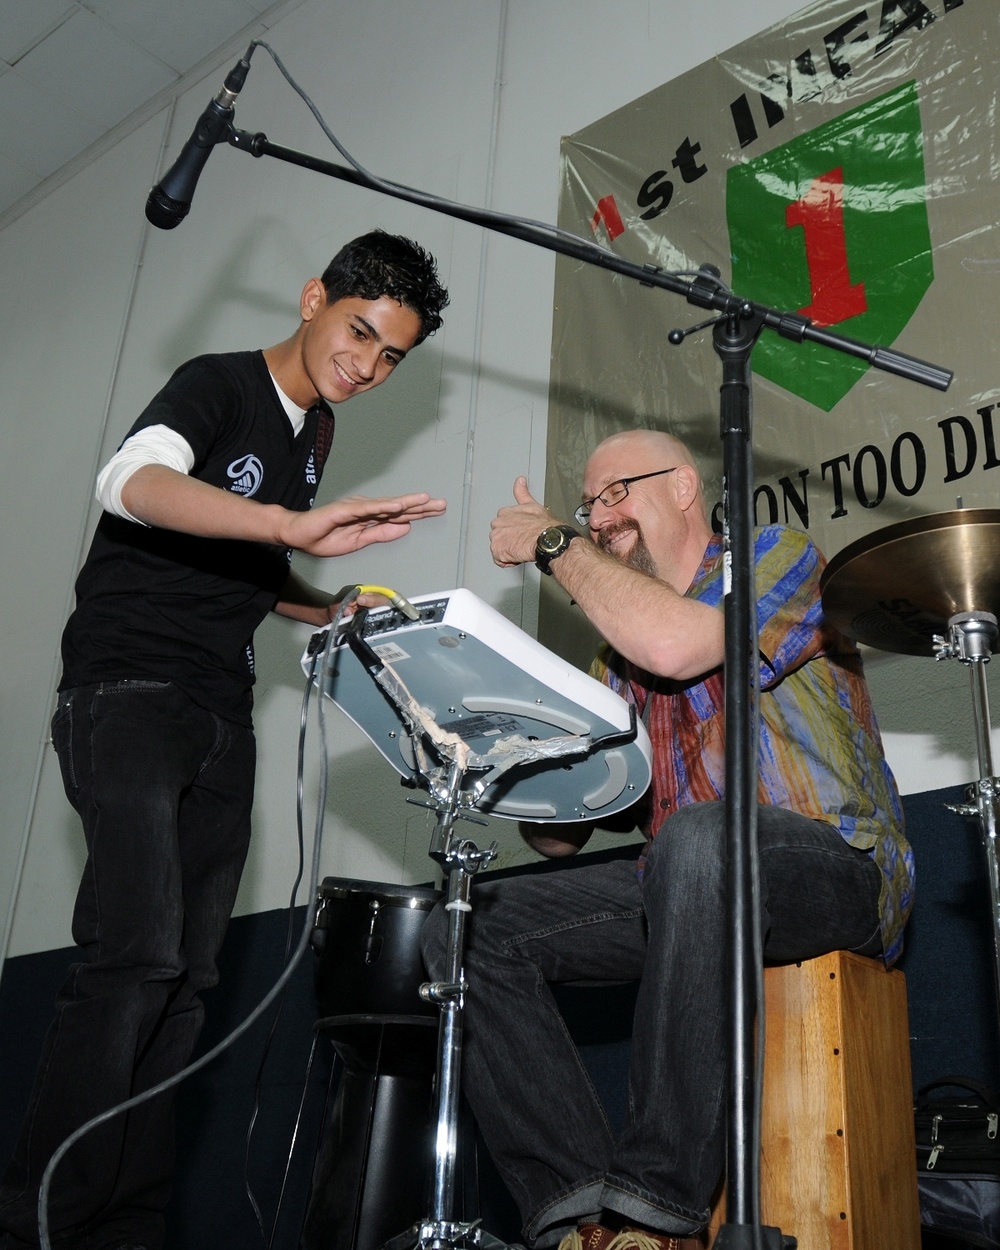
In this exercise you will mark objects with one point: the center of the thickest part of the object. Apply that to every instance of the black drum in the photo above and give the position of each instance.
(367, 940)
(374, 1167)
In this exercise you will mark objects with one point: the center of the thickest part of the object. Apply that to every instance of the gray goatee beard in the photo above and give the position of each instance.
(638, 556)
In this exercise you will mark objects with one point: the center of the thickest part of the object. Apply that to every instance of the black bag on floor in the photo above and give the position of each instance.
(958, 1162)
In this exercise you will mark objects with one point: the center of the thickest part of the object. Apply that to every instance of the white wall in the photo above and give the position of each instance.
(467, 98)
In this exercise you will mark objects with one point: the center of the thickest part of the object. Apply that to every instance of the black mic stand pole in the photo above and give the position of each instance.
(736, 330)
(734, 338)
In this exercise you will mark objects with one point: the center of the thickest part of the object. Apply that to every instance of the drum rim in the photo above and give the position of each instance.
(387, 894)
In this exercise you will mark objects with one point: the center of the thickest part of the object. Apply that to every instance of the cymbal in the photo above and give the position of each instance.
(895, 589)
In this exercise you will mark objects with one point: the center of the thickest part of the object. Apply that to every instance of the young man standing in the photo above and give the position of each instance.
(204, 502)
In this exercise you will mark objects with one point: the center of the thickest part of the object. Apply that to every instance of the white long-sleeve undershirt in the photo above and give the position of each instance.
(159, 444)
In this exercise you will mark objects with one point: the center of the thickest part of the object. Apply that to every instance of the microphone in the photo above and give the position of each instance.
(169, 201)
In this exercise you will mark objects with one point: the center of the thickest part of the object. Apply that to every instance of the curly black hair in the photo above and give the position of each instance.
(377, 264)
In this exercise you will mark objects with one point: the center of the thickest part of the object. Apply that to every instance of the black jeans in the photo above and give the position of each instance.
(522, 1074)
(164, 790)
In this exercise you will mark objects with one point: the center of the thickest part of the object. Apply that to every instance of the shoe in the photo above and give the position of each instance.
(597, 1237)
(588, 1237)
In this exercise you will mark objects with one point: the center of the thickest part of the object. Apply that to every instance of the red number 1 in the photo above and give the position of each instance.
(820, 213)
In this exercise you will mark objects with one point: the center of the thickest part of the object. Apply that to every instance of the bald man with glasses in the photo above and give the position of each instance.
(836, 872)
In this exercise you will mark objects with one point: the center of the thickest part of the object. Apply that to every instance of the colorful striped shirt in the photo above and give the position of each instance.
(820, 748)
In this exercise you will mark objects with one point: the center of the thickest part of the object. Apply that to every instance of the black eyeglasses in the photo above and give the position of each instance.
(613, 493)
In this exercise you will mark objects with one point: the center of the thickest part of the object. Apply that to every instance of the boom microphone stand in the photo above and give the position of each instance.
(737, 328)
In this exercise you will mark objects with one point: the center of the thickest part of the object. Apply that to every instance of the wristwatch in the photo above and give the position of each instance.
(552, 543)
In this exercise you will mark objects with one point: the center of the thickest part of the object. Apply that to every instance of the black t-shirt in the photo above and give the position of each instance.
(161, 605)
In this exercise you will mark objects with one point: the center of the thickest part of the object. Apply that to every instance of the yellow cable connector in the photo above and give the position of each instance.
(394, 597)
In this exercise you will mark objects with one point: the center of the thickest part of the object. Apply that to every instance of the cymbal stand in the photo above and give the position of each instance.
(970, 639)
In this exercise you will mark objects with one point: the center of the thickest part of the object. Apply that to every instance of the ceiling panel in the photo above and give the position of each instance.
(94, 68)
(15, 181)
(24, 22)
(71, 71)
(39, 133)
(180, 43)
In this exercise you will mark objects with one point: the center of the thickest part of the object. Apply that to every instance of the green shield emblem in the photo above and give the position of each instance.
(834, 224)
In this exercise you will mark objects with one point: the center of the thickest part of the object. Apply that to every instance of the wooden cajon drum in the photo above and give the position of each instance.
(838, 1159)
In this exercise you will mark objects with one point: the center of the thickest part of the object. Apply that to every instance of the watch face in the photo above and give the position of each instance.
(551, 539)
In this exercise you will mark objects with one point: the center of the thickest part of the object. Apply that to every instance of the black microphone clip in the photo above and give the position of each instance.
(169, 201)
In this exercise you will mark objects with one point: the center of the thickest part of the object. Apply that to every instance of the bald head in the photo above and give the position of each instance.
(649, 444)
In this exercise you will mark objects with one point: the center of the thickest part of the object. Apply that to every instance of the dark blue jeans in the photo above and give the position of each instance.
(537, 1109)
(164, 790)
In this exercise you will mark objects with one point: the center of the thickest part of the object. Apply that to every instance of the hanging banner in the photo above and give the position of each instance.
(842, 164)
